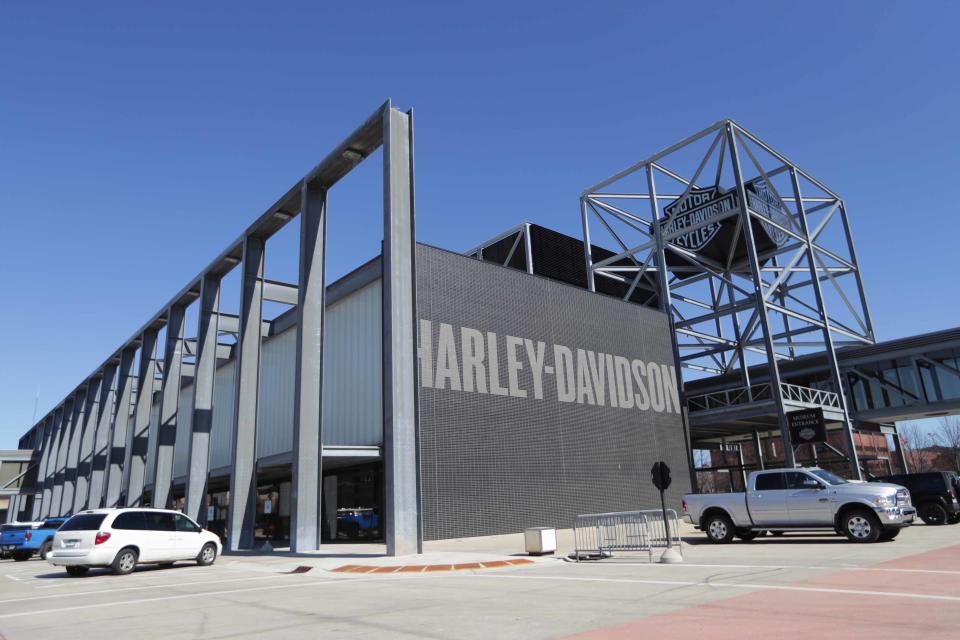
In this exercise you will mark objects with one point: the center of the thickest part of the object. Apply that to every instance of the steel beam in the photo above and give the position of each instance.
(138, 438)
(243, 475)
(307, 409)
(119, 427)
(749, 240)
(280, 292)
(101, 446)
(47, 443)
(835, 378)
(73, 453)
(400, 432)
(85, 462)
(169, 406)
(207, 349)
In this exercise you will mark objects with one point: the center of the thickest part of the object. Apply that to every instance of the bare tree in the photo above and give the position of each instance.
(950, 436)
(916, 442)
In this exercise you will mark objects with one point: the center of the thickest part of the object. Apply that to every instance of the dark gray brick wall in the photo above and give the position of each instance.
(497, 464)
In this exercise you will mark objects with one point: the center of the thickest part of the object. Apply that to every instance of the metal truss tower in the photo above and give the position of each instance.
(753, 260)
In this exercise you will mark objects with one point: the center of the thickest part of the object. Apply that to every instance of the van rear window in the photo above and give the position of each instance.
(84, 522)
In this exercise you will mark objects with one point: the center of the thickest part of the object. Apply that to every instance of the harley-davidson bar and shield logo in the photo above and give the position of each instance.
(704, 222)
(698, 211)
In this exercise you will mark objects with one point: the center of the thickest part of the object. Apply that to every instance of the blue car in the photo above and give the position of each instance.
(22, 541)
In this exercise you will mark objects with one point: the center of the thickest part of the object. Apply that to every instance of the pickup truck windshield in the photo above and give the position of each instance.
(827, 477)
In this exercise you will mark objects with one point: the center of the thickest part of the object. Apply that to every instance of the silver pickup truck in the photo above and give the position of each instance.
(810, 499)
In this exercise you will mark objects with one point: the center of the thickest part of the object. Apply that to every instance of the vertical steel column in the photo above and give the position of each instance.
(758, 445)
(169, 405)
(663, 283)
(42, 468)
(528, 247)
(587, 247)
(119, 427)
(307, 408)
(138, 439)
(243, 472)
(85, 462)
(867, 319)
(50, 481)
(73, 454)
(198, 458)
(101, 444)
(761, 305)
(400, 418)
(827, 334)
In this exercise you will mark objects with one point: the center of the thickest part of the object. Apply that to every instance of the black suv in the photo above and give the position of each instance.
(933, 493)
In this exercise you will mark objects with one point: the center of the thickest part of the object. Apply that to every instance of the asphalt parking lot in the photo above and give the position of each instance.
(789, 587)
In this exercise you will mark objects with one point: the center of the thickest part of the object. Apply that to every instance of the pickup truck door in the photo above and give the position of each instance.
(767, 499)
(808, 505)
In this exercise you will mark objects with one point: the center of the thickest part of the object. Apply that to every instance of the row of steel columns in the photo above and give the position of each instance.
(93, 447)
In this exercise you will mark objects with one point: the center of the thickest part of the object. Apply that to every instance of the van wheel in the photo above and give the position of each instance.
(76, 572)
(125, 562)
(45, 549)
(933, 514)
(207, 555)
(860, 525)
(719, 528)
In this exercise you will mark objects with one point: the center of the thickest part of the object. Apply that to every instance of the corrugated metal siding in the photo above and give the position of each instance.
(352, 365)
(277, 386)
(184, 420)
(221, 443)
(352, 392)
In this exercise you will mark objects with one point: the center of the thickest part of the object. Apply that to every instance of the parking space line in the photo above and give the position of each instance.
(670, 567)
(138, 588)
(728, 585)
(100, 605)
(12, 577)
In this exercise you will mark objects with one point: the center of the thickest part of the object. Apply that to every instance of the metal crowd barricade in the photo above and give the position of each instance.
(600, 535)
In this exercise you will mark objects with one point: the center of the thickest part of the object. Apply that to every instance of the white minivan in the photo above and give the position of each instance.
(123, 538)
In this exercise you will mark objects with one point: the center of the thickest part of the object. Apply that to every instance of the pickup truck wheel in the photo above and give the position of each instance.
(20, 556)
(45, 549)
(860, 525)
(719, 528)
(933, 514)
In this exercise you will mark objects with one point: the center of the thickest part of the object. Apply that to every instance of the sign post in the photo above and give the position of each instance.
(660, 476)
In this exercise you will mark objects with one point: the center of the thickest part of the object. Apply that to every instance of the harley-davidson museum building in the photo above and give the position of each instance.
(425, 395)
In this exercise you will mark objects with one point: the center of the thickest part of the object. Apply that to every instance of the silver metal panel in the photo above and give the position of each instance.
(221, 438)
(277, 381)
(352, 362)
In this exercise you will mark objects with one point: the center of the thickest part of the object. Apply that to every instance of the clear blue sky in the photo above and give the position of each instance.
(136, 142)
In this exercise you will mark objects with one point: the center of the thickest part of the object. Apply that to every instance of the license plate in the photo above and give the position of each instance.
(71, 544)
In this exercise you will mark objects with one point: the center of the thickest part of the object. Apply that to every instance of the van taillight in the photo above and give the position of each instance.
(27, 535)
(102, 536)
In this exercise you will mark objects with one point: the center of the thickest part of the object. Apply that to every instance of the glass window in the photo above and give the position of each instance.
(183, 523)
(795, 480)
(130, 521)
(159, 521)
(828, 477)
(84, 522)
(51, 524)
(770, 482)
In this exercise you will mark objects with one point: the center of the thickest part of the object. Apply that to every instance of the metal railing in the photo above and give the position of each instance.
(600, 535)
(729, 397)
(758, 392)
(809, 395)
